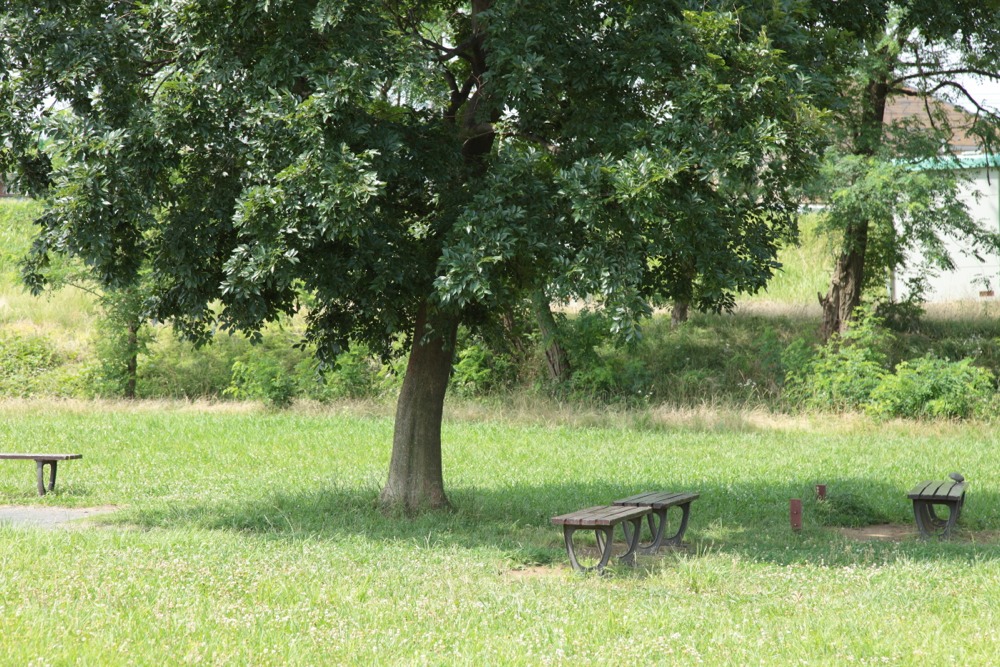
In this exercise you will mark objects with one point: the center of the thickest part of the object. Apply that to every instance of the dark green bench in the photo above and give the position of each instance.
(926, 495)
(602, 519)
(42, 460)
(659, 502)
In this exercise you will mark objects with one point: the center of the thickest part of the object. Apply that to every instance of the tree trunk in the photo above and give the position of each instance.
(132, 362)
(558, 362)
(416, 480)
(679, 313)
(845, 286)
(849, 274)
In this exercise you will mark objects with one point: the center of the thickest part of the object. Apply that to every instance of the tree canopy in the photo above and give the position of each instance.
(403, 166)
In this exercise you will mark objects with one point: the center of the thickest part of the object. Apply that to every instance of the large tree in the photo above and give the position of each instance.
(880, 206)
(409, 165)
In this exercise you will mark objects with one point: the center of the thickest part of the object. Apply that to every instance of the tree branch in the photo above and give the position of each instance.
(459, 96)
(946, 72)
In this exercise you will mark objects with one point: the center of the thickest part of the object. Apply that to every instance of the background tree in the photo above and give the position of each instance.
(878, 205)
(410, 165)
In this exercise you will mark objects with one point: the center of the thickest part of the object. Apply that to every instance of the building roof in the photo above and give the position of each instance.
(915, 108)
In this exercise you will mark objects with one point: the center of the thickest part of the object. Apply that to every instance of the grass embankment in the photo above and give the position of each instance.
(248, 537)
(65, 315)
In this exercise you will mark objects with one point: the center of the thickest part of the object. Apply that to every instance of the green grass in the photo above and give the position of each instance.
(251, 537)
(805, 269)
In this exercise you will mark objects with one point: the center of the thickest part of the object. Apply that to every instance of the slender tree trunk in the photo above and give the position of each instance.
(132, 362)
(683, 293)
(845, 286)
(849, 273)
(416, 480)
(555, 356)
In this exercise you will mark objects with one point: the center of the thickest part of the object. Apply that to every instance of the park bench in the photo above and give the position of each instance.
(925, 495)
(42, 460)
(659, 502)
(602, 519)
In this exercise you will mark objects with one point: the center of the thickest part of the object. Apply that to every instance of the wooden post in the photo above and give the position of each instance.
(821, 491)
(795, 513)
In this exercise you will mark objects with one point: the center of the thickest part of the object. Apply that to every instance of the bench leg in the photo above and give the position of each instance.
(657, 524)
(930, 524)
(676, 539)
(656, 520)
(604, 543)
(40, 469)
(631, 540)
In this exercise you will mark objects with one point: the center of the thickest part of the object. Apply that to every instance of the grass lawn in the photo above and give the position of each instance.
(249, 537)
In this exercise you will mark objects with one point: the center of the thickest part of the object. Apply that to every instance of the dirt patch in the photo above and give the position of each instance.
(899, 533)
(535, 571)
(887, 532)
(51, 517)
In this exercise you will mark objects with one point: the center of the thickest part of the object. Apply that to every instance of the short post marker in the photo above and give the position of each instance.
(795, 513)
(821, 491)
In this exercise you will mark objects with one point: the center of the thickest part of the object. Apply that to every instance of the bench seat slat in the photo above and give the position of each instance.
(600, 515)
(937, 490)
(658, 499)
(41, 457)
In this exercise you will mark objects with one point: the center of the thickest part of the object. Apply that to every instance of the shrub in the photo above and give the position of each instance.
(262, 378)
(356, 373)
(174, 368)
(478, 370)
(583, 337)
(844, 372)
(121, 335)
(31, 365)
(930, 387)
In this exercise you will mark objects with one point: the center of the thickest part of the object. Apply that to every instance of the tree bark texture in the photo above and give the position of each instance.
(845, 285)
(555, 355)
(416, 479)
(679, 313)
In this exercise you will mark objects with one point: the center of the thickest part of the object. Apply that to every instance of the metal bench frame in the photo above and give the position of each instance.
(659, 502)
(42, 460)
(950, 494)
(602, 519)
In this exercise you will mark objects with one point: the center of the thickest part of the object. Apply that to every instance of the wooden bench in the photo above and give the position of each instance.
(925, 495)
(42, 460)
(602, 519)
(659, 502)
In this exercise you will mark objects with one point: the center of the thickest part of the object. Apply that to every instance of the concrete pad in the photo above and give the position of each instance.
(49, 517)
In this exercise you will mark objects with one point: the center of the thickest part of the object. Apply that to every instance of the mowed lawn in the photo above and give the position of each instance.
(251, 537)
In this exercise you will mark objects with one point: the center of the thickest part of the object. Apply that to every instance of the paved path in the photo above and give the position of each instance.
(49, 517)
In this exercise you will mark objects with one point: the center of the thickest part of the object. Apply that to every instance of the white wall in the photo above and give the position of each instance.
(971, 278)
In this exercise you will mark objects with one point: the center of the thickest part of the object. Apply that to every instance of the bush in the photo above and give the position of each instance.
(121, 335)
(930, 387)
(31, 365)
(174, 368)
(356, 373)
(262, 378)
(843, 373)
(478, 370)
(601, 367)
